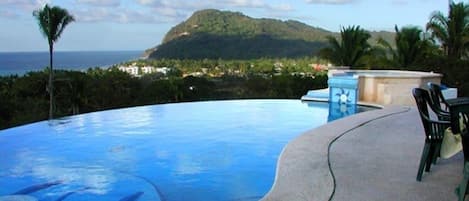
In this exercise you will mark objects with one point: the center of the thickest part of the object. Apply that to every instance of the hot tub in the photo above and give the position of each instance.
(386, 87)
(390, 87)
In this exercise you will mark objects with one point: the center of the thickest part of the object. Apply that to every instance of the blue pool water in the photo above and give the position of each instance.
(217, 150)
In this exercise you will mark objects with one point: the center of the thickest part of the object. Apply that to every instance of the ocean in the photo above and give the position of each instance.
(22, 62)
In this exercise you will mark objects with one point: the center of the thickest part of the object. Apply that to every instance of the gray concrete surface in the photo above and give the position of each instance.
(379, 161)
(373, 156)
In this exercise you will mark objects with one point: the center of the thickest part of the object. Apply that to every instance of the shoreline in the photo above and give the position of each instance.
(20, 63)
(68, 51)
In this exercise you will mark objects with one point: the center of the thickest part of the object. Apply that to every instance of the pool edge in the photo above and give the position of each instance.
(303, 171)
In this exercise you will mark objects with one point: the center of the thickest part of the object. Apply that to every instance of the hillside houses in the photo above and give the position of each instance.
(138, 71)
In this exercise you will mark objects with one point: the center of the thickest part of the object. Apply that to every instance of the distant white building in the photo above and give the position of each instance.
(136, 71)
(196, 74)
(132, 70)
(184, 33)
(163, 70)
(148, 69)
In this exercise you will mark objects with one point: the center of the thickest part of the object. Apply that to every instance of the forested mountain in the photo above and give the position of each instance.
(217, 34)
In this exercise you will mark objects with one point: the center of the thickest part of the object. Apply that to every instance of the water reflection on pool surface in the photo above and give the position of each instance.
(217, 150)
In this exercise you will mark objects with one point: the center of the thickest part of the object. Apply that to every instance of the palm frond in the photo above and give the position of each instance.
(352, 46)
(451, 31)
(52, 21)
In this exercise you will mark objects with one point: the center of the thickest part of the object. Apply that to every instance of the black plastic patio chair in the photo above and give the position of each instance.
(437, 100)
(434, 131)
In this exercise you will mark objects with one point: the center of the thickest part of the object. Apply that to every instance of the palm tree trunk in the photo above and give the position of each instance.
(51, 84)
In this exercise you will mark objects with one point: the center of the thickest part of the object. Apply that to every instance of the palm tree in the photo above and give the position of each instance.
(52, 21)
(409, 46)
(352, 46)
(452, 31)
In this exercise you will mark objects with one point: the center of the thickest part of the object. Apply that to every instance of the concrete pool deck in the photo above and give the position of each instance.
(368, 156)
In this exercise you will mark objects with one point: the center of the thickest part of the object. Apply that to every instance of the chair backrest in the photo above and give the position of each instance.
(437, 96)
(433, 129)
(421, 99)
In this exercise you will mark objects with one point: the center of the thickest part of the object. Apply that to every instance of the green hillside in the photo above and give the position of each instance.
(217, 34)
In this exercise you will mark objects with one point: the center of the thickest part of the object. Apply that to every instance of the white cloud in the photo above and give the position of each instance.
(16, 2)
(330, 1)
(41, 3)
(245, 3)
(8, 14)
(179, 9)
(137, 11)
(145, 2)
(283, 7)
(188, 5)
(97, 178)
(94, 15)
(169, 12)
(104, 3)
(172, 10)
(24, 3)
(256, 4)
(173, 4)
(117, 16)
(18, 8)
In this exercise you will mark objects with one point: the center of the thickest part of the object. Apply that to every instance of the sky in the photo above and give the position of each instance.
(102, 25)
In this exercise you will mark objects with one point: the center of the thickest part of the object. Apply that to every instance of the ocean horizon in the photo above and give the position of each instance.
(19, 63)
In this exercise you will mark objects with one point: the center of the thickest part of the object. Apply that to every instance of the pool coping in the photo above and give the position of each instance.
(387, 73)
(303, 171)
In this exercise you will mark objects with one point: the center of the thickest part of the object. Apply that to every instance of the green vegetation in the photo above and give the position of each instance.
(24, 101)
(208, 46)
(353, 45)
(451, 57)
(245, 67)
(445, 52)
(52, 22)
(410, 47)
(452, 31)
(226, 23)
(215, 34)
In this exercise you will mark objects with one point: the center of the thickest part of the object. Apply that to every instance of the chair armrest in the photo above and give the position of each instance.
(445, 115)
(445, 123)
(436, 129)
(442, 122)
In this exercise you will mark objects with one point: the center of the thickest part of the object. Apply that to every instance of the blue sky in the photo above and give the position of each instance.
(141, 24)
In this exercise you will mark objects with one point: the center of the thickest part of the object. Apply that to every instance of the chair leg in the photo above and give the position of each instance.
(462, 188)
(423, 160)
(429, 159)
(436, 154)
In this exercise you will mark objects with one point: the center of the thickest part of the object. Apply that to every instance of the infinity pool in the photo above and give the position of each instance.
(217, 150)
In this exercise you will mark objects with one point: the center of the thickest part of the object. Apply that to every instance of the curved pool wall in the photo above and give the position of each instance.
(218, 150)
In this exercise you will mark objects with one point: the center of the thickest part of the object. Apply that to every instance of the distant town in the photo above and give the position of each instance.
(141, 68)
(137, 71)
